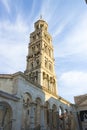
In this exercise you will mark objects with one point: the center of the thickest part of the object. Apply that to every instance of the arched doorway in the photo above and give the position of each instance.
(5, 116)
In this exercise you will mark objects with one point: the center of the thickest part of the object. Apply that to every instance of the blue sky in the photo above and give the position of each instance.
(67, 20)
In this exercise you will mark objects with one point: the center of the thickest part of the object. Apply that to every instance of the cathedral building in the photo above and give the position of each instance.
(29, 99)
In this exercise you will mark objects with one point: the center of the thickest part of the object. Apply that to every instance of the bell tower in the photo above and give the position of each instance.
(40, 59)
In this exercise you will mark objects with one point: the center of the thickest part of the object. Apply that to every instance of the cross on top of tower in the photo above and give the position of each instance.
(40, 17)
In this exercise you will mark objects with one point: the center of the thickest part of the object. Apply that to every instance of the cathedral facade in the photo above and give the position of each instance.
(29, 99)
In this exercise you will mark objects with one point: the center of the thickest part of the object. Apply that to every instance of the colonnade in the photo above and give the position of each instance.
(42, 117)
(38, 116)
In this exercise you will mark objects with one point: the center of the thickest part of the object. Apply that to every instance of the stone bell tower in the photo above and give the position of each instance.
(40, 59)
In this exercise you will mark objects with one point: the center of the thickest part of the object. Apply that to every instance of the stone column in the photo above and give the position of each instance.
(54, 119)
(79, 121)
(57, 120)
(32, 116)
(42, 123)
(63, 121)
(1, 128)
(50, 119)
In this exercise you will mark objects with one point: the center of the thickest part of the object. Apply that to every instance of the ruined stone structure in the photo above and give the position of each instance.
(29, 100)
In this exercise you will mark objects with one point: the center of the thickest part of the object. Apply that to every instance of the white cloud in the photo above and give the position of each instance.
(13, 56)
(75, 40)
(6, 4)
(17, 26)
(73, 83)
(13, 45)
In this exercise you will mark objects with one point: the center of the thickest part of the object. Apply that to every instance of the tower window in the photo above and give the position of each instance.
(50, 66)
(37, 27)
(49, 52)
(33, 48)
(46, 62)
(34, 37)
(38, 46)
(41, 25)
(28, 112)
(49, 40)
(38, 34)
(36, 76)
(37, 62)
(32, 65)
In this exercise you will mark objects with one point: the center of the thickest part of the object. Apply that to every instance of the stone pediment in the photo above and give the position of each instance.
(81, 100)
(83, 103)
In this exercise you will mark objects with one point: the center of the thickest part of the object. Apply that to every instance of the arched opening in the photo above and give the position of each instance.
(61, 121)
(38, 112)
(27, 99)
(5, 116)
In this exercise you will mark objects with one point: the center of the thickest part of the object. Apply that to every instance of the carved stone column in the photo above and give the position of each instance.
(57, 120)
(32, 116)
(79, 121)
(50, 119)
(63, 121)
(54, 121)
(43, 125)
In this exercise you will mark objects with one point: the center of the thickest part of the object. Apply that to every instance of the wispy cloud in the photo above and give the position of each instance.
(14, 57)
(17, 26)
(14, 38)
(73, 83)
(6, 4)
(75, 40)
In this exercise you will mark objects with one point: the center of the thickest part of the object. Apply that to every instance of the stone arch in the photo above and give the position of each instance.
(38, 100)
(54, 107)
(6, 115)
(39, 97)
(66, 110)
(47, 104)
(60, 111)
(27, 99)
(38, 112)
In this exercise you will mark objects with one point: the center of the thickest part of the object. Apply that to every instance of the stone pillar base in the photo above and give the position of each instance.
(43, 128)
(1, 128)
(31, 128)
